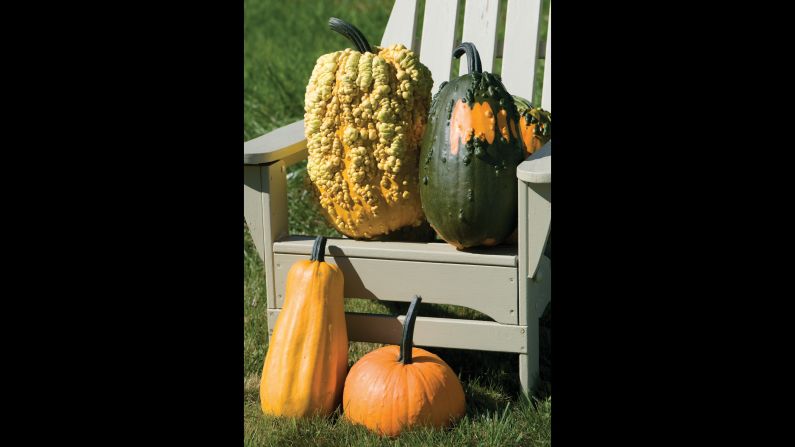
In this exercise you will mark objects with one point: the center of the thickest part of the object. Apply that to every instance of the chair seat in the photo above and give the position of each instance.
(395, 271)
(502, 255)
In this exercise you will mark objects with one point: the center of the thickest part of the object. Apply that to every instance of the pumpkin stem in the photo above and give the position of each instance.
(473, 58)
(407, 343)
(351, 32)
(318, 249)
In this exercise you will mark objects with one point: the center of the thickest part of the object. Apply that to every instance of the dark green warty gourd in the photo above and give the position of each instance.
(469, 153)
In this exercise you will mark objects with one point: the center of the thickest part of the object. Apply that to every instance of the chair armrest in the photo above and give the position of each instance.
(535, 209)
(538, 167)
(283, 143)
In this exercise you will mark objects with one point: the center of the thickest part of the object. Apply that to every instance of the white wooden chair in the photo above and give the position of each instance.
(508, 283)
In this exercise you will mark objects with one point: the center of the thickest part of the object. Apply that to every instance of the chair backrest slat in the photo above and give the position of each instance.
(546, 91)
(438, 35)
(480, 28)
(401, 25)
(521, 46)
(519, 49)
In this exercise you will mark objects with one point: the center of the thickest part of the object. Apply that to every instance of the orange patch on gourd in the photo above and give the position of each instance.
(466, 122)
(490, 242)
(502, 124)
(531, 142)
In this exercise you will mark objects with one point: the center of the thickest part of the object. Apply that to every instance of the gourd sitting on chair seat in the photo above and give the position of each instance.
(470, 151)
(535, 125)
(365, 111)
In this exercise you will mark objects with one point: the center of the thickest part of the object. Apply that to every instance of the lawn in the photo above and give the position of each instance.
(282, 42)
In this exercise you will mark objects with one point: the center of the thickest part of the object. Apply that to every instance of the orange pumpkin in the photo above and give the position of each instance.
(397, 387)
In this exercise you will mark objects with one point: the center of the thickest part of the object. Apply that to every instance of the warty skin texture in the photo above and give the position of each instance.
(469, 155)
(364, 118)
(307, 360)
(535, 125)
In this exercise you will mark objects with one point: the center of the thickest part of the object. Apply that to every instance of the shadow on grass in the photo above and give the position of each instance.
(436, 310)
(503, 368)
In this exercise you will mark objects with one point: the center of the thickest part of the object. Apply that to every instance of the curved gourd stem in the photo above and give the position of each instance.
(318, 249)
(473, 58)
(407, 343)
(351, 32)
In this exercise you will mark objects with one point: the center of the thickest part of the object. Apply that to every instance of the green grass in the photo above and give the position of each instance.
(282, 42)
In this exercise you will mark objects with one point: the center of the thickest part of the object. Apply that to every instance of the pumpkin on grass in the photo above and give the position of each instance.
(307, 360)
(365, 111)
(397, 387)
(470, 151)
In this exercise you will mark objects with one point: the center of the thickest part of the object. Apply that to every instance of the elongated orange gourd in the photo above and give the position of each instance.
(307, 360)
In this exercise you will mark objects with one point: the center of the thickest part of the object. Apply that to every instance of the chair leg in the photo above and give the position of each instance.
(529, 364)
(271, 324)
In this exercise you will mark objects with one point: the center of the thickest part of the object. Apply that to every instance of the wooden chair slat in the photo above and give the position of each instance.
(438, 33)
(546, 91)
(521, 46)
(401, 25)
(480, 28)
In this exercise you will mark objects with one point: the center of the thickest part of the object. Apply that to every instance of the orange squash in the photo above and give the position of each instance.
(535, 125)
(307, 360)
(397, 387)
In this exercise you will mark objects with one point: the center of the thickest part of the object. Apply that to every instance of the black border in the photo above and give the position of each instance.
(133, 124)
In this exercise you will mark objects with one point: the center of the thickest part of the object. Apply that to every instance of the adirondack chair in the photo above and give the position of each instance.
(508, 283)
